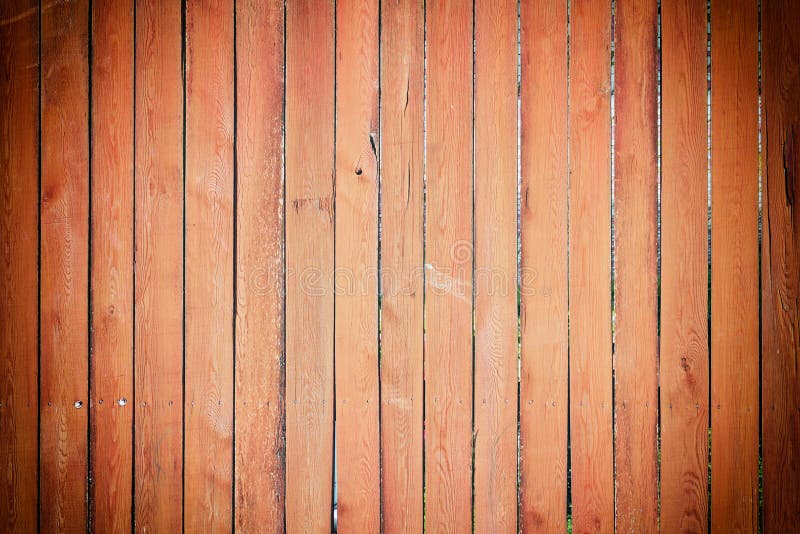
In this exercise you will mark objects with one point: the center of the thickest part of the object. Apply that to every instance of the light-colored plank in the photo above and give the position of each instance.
(260, 477)
(208, 445)
(158, 274)
(683, 358)
(112, 265)
(448, 269)
(495, 266)
(734, 266)
(64, 289)
(780, 268)
(636, 267)
(356, 283)
(543, 272)
(590, 267)
(401, 142)
(19, 264)
(309, 264)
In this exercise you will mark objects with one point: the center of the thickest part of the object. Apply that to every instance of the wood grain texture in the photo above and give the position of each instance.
(590, 267)
(208, 446)
(356, 281)
(495, 212)
(64, 289)
(309, 264)
(19, 263)
(260, 476)
(780, 267)
(112, 265)
(401, 174)
(158, 273)
(636, 267)
(683, 360)
(543, 270)
(683, 370)
(734, 266)
(448, 268)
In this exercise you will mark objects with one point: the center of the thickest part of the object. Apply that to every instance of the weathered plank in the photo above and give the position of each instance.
(636, 267)
(112, 265)
(19, 264)
(734, 266)
(780, 267)
(208, 445)
(495, 478)
(448, 269)
(259, 468)
(590, 267)
(309, 264)
(158, 273)
(683, 358)
(401, 163)
(356, 281)
(64, 289)
(543, 272)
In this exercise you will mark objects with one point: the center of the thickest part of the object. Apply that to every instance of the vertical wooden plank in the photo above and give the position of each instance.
(356, 281)
(780, 265)
(259, 468)
(684, 268)
(64, 266)
(448, 269)
(208, 448)
(19, 263)
(309, 264)
(543, 272)
(636, 267)
(495, 266)
(158, 273)
(590, 267)
(734, 266)
(402, 89)
(112, 265)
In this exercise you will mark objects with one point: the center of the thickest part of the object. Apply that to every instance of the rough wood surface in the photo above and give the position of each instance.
(309, 264)
(19, 264)
(356, 283)
(158, 275)
(590, 373)
(112, 265)
(260, 476)
(636, 267)
(448, 268)
(543, 271)
(780, 267)
(64, 289)
(208, 442)
(401, 149)
(683, 370)
(734, 266)
(495, 213)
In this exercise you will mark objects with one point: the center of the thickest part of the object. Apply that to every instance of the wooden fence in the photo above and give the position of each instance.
(537, 264)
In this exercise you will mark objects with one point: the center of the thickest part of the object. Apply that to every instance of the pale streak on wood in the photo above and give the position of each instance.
(260, 476)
